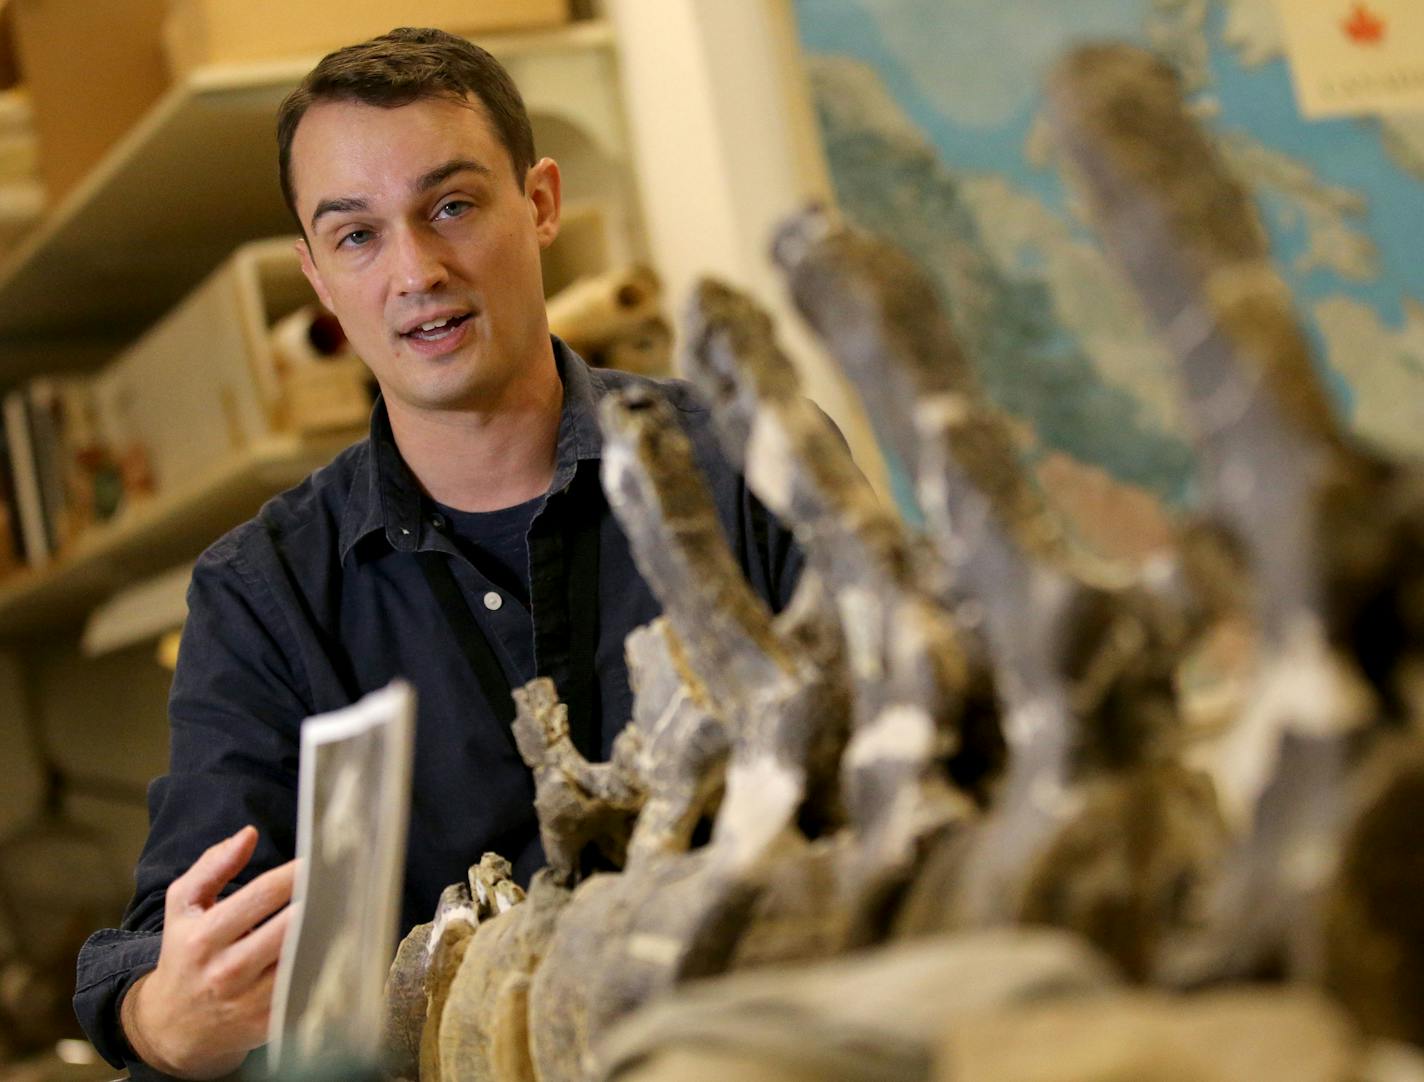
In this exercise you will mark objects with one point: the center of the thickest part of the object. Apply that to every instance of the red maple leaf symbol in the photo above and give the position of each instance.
(1363, 26)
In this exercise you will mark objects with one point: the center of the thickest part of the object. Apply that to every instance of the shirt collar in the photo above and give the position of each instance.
(386, 498)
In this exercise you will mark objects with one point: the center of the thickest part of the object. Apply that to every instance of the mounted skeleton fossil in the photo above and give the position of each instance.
(979, 726)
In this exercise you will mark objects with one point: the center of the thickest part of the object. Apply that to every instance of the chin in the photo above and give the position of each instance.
(470, 392)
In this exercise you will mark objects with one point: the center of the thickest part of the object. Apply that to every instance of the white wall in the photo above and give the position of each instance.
(724, 146)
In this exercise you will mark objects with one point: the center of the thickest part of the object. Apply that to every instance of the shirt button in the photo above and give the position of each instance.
(493, 601)
(438, 521)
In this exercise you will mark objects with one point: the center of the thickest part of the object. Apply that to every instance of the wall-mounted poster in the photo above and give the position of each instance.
(931, 116)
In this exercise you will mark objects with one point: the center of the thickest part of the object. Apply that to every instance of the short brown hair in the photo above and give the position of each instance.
(405, 66)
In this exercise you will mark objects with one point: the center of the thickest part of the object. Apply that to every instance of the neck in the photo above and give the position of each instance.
(487, 458)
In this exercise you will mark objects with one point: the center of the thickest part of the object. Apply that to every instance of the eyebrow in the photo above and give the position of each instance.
(442, 173)
(337, 206)
(432, 179)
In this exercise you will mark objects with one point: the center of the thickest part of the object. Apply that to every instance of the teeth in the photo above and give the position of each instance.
(437, 323)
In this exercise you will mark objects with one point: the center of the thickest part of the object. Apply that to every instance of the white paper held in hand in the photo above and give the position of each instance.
(353, 805)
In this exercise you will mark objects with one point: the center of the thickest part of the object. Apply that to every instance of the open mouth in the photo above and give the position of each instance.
(436, 329)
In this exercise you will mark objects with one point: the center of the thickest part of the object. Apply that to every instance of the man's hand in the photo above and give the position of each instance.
(206, 1005)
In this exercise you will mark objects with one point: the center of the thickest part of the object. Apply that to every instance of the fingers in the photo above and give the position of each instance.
(241, 911)
(247, 1015)
(258, 1011)
(199, 886)
(209, 1000)
(248, 961)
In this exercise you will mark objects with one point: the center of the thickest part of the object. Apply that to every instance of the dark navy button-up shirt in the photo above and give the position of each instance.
(320, 599)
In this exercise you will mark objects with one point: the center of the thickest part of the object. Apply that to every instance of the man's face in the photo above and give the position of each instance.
(414, 218)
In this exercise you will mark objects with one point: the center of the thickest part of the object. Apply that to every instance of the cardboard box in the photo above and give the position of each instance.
(201, 32)
(92, 70)
(202, 385)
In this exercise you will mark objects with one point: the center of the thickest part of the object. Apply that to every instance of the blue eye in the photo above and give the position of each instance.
(355, 238)
(452, 208)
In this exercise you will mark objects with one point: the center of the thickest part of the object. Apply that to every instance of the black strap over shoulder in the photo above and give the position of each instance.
(472, 642)
(582, 595)
(581, 693)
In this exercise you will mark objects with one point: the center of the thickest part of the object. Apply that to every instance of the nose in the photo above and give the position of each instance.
(418, 263)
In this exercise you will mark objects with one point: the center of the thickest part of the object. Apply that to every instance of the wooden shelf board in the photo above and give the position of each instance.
(153, 534)
(191, 181)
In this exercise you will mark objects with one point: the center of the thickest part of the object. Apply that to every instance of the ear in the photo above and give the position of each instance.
(542, 189)
(303, 250)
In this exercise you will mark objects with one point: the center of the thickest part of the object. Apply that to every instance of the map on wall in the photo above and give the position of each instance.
(931, 115)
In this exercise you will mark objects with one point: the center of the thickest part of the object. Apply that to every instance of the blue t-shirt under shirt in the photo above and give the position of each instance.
(497, 543)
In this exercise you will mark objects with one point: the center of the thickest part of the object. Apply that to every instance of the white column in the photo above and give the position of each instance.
(724, 147)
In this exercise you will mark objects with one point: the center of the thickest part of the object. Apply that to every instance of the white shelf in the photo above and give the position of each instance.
(197, 176)
(153, 534)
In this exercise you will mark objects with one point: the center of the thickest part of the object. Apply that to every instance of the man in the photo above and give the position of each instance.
(464, 545)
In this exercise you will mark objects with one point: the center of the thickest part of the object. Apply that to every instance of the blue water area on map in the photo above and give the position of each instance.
(968, 76)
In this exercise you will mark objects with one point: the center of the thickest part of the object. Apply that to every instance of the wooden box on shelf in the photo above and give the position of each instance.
(203, 32)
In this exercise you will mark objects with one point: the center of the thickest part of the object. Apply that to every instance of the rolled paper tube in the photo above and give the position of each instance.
(309, 335)
(592, 312)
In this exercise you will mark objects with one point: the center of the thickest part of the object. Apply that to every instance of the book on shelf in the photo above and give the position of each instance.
(58, 477)
(46, 429)
(87, 475)
(24, 475)
(12, 544)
